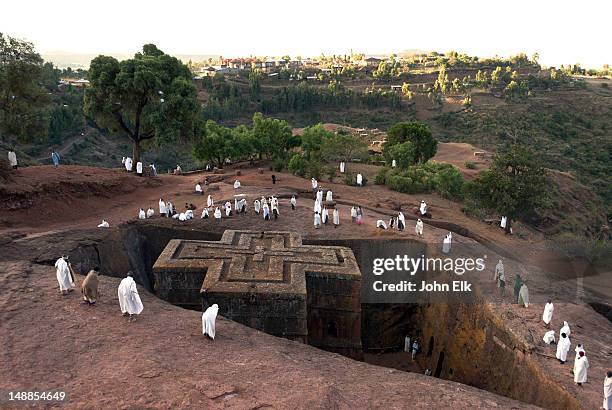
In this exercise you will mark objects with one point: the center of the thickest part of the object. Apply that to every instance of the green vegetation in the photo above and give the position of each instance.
(514, 186)
(409, 143)
(24, 102)
(430, 176)
(149, 96)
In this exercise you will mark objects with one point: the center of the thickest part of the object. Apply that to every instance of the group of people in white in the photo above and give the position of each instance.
(129, 300)
(581, 363)
(130, 303)
(128, 163)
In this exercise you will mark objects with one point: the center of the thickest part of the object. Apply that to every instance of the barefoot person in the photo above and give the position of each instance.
(64, 275)
(129, 300)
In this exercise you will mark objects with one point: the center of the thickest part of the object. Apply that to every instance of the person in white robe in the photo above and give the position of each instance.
(12, 159)
(329, 196)
(342, 167)
(549, 308)
(141, 214)
(359, 180)
(579, 348)
(353, 214)
(446, 244)
(128, 164)
(324, 215)
(293, 202)
(392, 223)
(317, 207)
(274, 208)
(236, 184)
(418, 229)
(204, 213)
(607, 401)
(162, 207)
(266, 211)
(150, 212)
(153, 170)
(182, 217)
(562, 348)
(129, 300)
(314, 183)
(189, 214)
(104, 224)
(523, 298)
(139, 168)
(208, 321)
(565, 329)
(198, 189)
(257, 206)
(210, 202)
(241, 207)
(217, 214)
(581, 367)
(423, 208)
(64, 275)
(504, 222)
(228, 208)
(236, 204)
(393, 163)
(401, 221)
(320, 195)
(549, 337)
(381, 224)
(123, 161)
(317, 220)
(169, 209)
(336, 217)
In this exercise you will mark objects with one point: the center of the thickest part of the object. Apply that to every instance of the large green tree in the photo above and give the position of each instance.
(273, 137)
(343, 147)
(148, 96)
(23, 100)
(515, 185)
(216, 144)
(424, 145)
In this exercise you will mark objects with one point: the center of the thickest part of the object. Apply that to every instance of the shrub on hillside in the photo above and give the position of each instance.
(315, 169)
(279, 164)
(381, 176)
(444, 179)
(297, 165)
(469, 164)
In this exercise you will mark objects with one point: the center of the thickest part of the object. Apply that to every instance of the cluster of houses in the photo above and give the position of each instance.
(234, 65)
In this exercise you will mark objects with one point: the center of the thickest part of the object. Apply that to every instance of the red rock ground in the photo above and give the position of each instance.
(163, 361)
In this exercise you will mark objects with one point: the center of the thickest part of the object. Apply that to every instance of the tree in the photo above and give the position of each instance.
(272, 137)
(312, 140)
(418, 134)
(215, 144)
(343, 147)
(23, 101)
(148, 96)
(254, 84)
(404, 154)
(515, 185)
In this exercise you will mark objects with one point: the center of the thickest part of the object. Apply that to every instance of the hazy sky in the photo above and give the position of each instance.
(560, 31)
